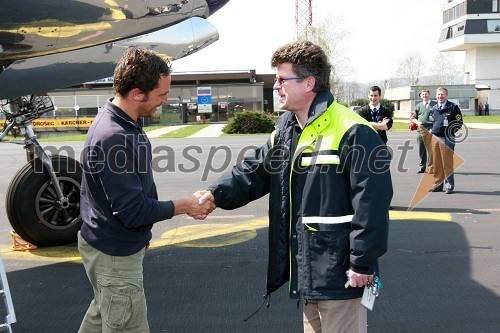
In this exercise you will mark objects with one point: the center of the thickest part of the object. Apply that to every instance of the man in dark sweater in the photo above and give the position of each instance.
(119, 202)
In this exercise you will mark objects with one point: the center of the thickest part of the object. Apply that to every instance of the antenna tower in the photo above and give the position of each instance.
(303, 18)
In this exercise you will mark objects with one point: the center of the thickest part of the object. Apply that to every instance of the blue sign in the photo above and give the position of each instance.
(205, 99)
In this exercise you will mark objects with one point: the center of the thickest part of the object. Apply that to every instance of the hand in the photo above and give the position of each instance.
(203, 197)
(191, 206)
(357, 280)
(385, 120)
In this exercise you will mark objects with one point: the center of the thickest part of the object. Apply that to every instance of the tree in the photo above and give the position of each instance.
(444, 69)
(349, 91)
(329, 34)
(410, 67)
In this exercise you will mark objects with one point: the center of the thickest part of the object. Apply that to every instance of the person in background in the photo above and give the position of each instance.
(378, 115)
(327, 174)
(422, 117)
(119, 202)
(447, 120)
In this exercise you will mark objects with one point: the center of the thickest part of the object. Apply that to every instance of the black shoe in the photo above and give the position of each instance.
(421, 171)
(436, 189)
(448, 191)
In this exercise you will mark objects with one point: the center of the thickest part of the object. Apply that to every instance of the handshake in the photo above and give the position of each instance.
(197, 206)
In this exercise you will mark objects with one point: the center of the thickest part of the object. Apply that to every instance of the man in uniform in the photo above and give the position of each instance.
(422, 117)
(447, 120)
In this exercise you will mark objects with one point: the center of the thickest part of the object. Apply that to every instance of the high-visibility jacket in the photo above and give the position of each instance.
(330, 190)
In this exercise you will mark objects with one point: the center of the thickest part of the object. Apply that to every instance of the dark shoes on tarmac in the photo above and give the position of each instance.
(440, 189)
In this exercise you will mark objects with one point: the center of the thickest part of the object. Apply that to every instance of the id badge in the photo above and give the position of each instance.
(445, 122)
(370, 293)
(368, 299)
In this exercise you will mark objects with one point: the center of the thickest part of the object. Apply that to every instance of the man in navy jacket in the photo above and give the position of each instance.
(119, 202)
(446, 121)
(326, 171)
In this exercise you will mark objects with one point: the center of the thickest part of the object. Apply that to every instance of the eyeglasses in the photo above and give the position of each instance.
(280, 80)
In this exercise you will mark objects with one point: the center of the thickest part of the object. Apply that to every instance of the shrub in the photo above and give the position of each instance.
(360, 102)
(249, 122)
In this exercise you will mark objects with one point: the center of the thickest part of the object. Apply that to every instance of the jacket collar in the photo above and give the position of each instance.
(121, 114)
(319, 105)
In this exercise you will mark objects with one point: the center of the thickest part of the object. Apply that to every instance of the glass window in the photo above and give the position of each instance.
(101, 100)
(64, 101)
(65, 112)
(86, 101)
(88, 112)
(495, 6)
(493, 25)
(464, 103)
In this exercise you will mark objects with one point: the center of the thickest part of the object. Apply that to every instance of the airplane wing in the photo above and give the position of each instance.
(50, 44)
(42, 74)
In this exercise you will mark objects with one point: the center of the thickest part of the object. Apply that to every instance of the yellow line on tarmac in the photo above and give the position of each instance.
(43, 254)
(211, 235)
(199, 235)
(421, 216)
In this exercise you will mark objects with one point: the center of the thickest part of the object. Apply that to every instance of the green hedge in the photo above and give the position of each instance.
(250, 122)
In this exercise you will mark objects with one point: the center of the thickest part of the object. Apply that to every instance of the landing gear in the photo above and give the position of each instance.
(35, 210)
(43, 198)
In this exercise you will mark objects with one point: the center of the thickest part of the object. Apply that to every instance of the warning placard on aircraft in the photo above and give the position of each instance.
(204, 99)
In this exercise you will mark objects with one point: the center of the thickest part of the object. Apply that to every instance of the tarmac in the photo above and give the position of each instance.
(440, 272)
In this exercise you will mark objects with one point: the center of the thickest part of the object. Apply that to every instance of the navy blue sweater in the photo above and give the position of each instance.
(119, 202)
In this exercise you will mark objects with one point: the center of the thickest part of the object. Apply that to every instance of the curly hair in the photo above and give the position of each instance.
(139, 68)
(307, 59)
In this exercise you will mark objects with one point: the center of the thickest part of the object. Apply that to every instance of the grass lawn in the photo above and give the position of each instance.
(400, 127)
(75, 137)
(482, 119)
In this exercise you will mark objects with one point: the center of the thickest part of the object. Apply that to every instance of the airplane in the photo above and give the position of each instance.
(50, 44)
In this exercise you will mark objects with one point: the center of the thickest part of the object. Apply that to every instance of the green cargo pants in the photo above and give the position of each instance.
(119, 303)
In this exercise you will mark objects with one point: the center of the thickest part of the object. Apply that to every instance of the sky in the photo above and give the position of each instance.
(379, 34)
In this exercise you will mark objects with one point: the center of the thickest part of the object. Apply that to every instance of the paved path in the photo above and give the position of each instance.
(160, 131)
(210, 131)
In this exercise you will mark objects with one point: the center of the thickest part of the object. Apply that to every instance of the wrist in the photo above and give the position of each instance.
(180, 206)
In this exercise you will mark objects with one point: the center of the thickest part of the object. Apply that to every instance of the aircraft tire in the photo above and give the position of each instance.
(31, 204)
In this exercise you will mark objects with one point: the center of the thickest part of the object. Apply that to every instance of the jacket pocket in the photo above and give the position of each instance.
(324, 247)
(122, 301)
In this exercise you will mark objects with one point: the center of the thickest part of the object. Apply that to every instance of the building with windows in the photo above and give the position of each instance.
(225, 93)
(473, 26)
(406, 98)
